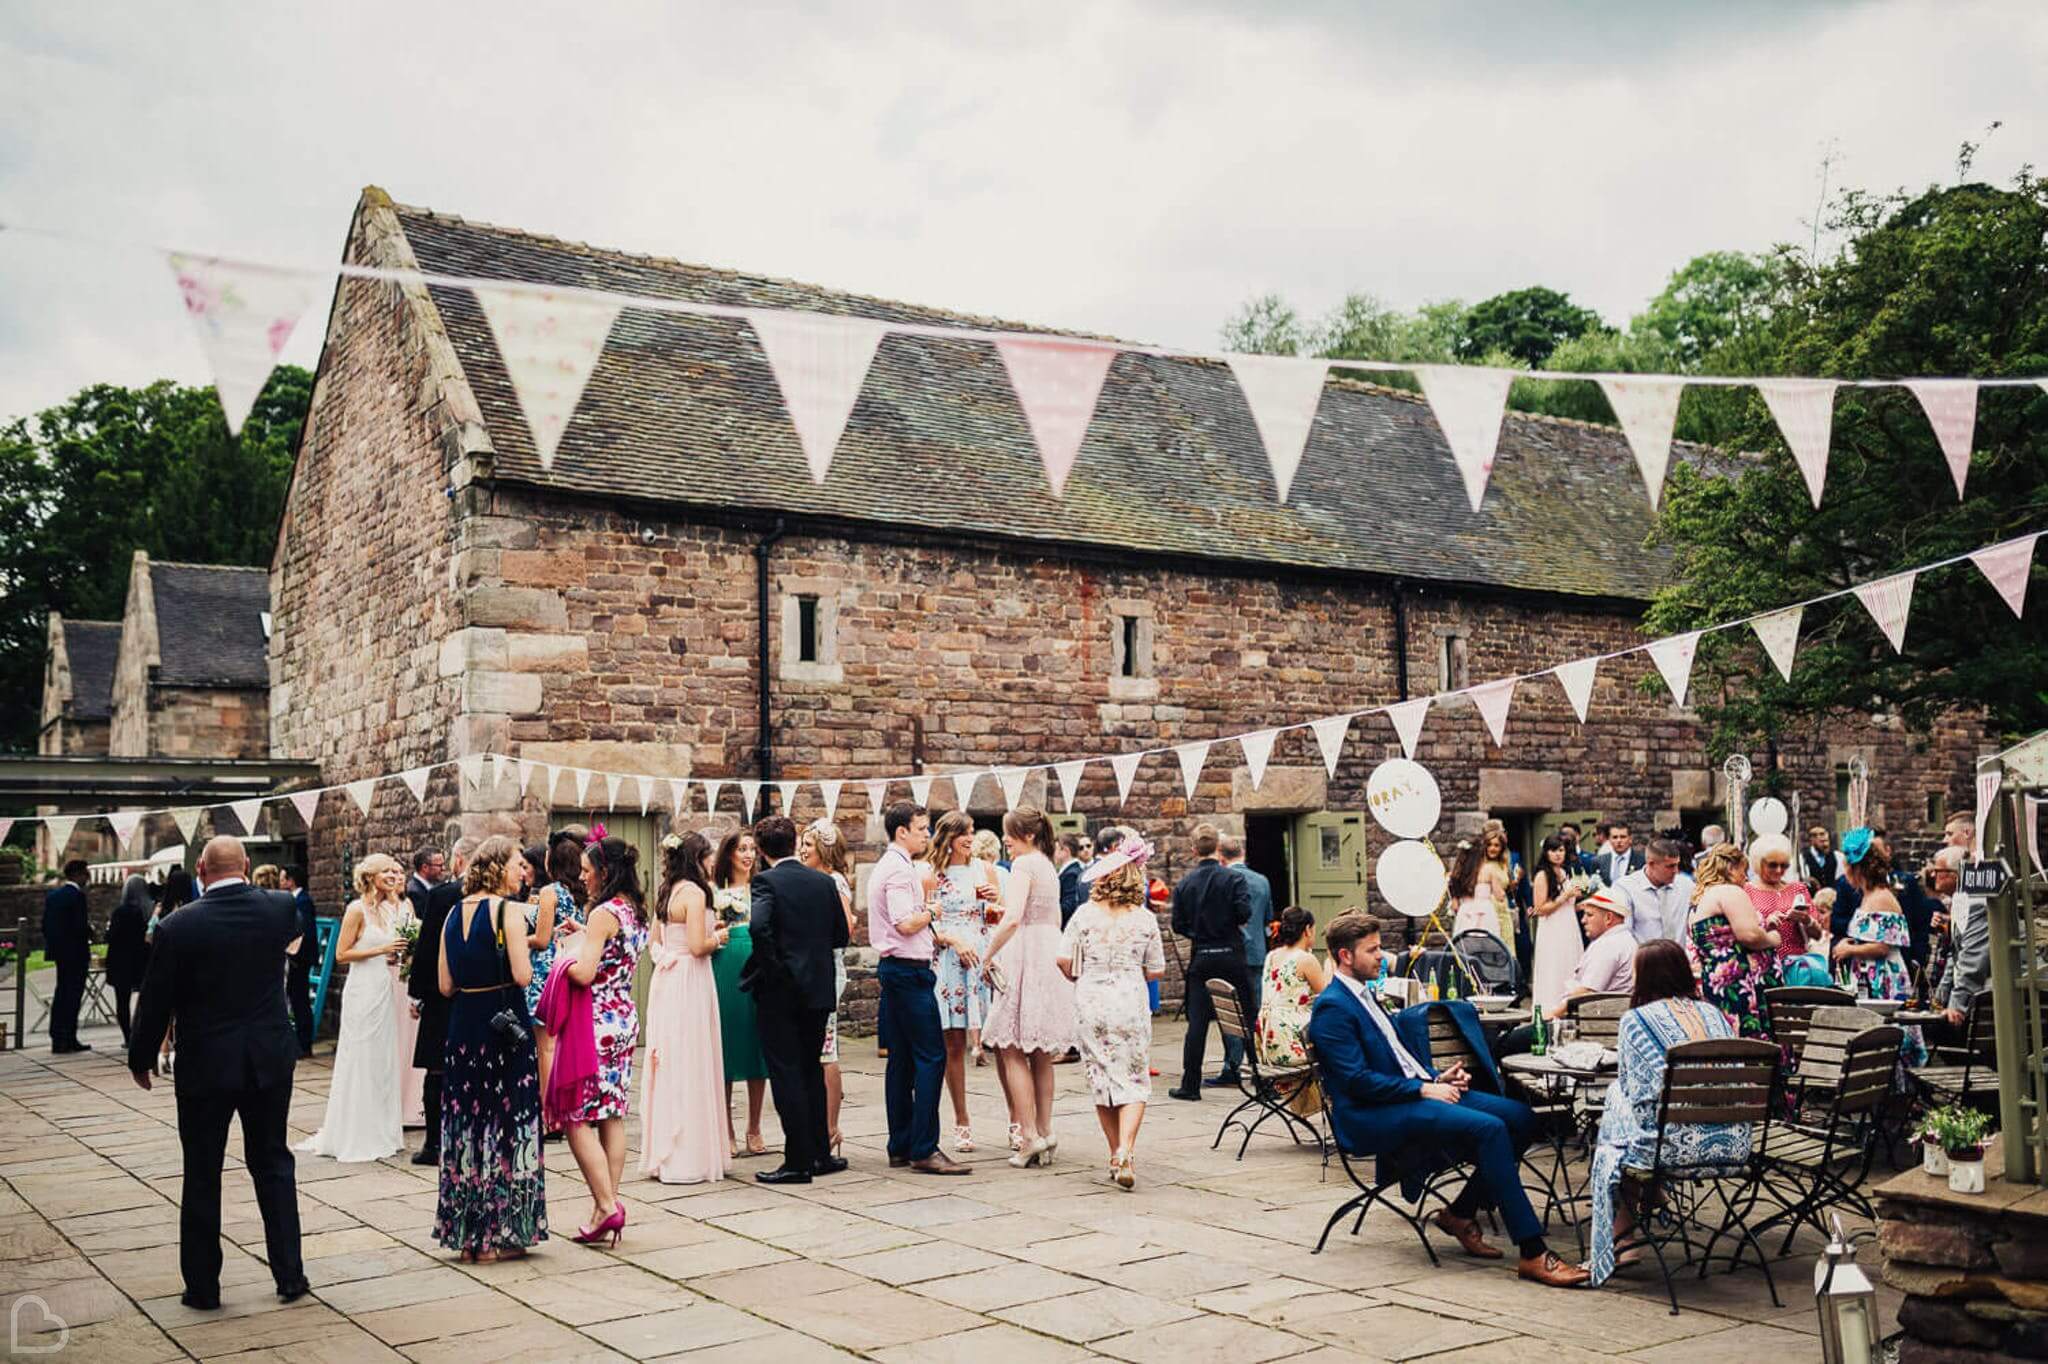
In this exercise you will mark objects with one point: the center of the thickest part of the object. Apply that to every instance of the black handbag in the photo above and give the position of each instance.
(507, 1024)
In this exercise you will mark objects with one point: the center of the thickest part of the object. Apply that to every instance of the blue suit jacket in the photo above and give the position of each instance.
(1412, 1023)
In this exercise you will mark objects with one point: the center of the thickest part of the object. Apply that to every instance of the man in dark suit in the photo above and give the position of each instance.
(1066, 859)
(1211, 906)
(217, 966)
(797, 923)
(1386, 1101)
(431, 905)
(67, 941)
(298, 977)
(1621, 856)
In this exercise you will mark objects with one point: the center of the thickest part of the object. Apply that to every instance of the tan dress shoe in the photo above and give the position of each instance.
(1547, 1269)
(1465, 1232)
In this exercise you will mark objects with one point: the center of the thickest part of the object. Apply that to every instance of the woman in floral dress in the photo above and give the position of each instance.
(605, 960)
(961, 885)
(1294, 977)
(1110, 948)
(1874, 947)
(1733, 954)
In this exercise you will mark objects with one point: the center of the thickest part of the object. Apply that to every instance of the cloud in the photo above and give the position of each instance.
(1130, 167)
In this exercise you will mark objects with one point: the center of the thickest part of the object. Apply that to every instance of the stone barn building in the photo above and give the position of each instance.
(677, 597)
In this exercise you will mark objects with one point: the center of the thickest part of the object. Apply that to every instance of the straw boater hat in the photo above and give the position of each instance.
(1604, 898)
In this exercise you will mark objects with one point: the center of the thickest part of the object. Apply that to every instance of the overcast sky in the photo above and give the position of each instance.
(1127, 167)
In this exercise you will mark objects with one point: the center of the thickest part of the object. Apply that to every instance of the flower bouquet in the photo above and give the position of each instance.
(407, 925)
(1581, 884)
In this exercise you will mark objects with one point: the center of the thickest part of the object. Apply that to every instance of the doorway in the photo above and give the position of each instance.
(1268, 851)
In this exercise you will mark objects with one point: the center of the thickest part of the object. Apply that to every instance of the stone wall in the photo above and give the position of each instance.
(134, 665)
(209, 722)
(1974, 1267)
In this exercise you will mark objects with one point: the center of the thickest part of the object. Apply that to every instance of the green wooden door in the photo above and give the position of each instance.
(644, 833)
(1328, 858)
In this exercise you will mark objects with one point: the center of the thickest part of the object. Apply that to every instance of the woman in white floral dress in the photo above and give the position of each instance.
(1111, 947)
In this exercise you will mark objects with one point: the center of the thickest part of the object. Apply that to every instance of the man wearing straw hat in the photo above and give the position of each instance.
(1608, 965)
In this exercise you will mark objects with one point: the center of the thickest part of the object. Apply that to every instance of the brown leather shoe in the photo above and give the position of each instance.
(1465, 1232)
(939, 1163)
(1547, 1269)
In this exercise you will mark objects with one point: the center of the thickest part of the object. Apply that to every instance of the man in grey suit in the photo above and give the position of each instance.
(1230, 850)
(1968, 973)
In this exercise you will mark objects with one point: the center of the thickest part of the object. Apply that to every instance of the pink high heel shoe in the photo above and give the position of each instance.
(614, 1226)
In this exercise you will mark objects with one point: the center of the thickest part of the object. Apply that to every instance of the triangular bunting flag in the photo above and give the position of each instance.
(124, 823)
(1577, 680)
(828, 791)
(6, 827)
(1408, 717)
(1125, 765)
(1258, 749)
(307, 803)
(1951, 407)
(1987, 791)
(60, 827)
(523, 773)
(611, 790)
(471, 765)
(499, 762)
(1647, 410)
(1057, 384)
(244, 315)
(416, 782)
(711, 796)
(1283, 393)
(750, 791)
(2008, 567)
(1069, 774)
(549, 775)
(363, 792)
(678, 795)
(963, 787)
(1012, 780)
(1804, 410)
(1493, 699)
(246, 814)
(921, 790)
(1778, 632)
(820, 362)
(2034, 804)
(878, 792)
(1469, 401)
(1191, 756)
(583, 776)
(1673, 657)
(187, 820)
(1330, 732)
(1889, 601)
(785, 798)
(549, 343)
(645, 785)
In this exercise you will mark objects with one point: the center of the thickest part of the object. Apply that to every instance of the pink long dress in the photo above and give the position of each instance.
(1036, 1012)
(682, 1100)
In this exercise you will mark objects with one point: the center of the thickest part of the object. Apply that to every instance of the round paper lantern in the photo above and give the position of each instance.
(1769, 816)
(1411, 878)
(1403, 797)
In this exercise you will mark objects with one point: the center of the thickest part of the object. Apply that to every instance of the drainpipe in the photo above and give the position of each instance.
(764, 747)
(1400, 642)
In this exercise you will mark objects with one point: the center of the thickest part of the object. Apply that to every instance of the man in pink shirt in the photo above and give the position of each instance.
(900, 928)
(1608, 965)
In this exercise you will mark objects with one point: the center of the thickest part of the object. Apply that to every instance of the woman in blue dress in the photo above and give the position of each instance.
(1665, 1011)
(962, 887)
(551, 917)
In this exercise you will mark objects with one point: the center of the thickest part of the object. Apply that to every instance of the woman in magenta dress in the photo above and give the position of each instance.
(683, 1138)
(1031, 1022)
(613, 936)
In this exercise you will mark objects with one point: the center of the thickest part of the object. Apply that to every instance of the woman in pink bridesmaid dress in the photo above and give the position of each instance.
(683, 1138)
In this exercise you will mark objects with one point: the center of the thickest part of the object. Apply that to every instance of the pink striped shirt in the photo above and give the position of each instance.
(894, 894)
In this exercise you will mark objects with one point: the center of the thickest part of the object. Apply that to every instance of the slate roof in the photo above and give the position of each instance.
(685, 410)
(91, 646)
(209, 625)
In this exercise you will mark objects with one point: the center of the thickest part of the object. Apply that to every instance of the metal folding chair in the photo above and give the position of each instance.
(1374, 1190)
(1788, 1009)
(1266, 1092)
(1826, 1165)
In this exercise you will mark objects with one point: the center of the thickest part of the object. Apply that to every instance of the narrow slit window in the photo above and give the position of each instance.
(1450, 663)
(1130, 624)
(807, 629)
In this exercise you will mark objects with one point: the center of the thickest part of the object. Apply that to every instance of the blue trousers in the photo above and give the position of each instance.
(909, 1026)
(1485, 1129)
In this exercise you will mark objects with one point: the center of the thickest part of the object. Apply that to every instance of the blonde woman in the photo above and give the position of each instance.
(362, 1120)
(962, 886)
(821, 847)
(1734, 955)
(1031, 1020)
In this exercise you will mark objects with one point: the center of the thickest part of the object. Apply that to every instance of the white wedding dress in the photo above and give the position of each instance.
(362, 1121)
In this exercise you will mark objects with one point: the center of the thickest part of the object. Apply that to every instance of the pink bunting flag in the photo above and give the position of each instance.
(1805, 412)
(1283, 393)
(820, 363)
(878, 792)
(1125, 765)
(550, 344)
(307, 803)
(1469, 402)
(60, 828)
(1577, 679)
(750, 791)
(1191, 756)
(921, 790)
(244, 314)
(1012, 780)
(1408, 717)
(1058, 384)
(2008, 567)
(963, 787)
(1673, 657)
(6, 827)
(711, 789)
(1330, 732)
(1951, 407)
(828, 791)
(1987, 791)
(124, 823)
(1258, 750)
(1493, 700)
(247, 812)
(361, 792)
(1778, 632)
(1647, 409)
(1889, 600)
(1069, 774)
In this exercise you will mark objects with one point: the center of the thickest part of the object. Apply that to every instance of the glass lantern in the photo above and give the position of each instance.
(1847, 1303)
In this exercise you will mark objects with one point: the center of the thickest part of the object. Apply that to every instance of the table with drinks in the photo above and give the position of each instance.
(1561, 1077)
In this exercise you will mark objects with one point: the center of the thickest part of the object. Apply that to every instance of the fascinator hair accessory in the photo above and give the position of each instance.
(1856, 845)
(1131, 851)
(597, 834)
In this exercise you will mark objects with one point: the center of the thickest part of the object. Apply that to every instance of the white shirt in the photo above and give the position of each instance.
(1410, 1067)
(1609, 963)
(211, 886)
(1960, 907)
(1656, 911)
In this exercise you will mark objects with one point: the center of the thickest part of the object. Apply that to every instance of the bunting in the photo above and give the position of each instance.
(361, 792)
(678, 795)
(1804, 410)
(246, 814)
(1191, 756)
(1469, 401)
(611, 791)
(415, 780)
(244, 314)
(1258, 748)
(711, 795)
(549, 343)
(1058, 384)
(1778, 632)
(1673, 658)
(750, 791)
(1125, 765)
(1951, 407)
(2008, 567)
(471, 765)
(582, 780)
(877, 792)
(963, 787)
(1987, 791)
(6, 827)
(1408, 717)
(921, 790)
(1012, 780)
(1283, 394)
(1889, 600)
(828, 791)
(820, 363)
(785, 798)
(645, 786)
(59, 827)
(1577, 679)
(1493, 700)
(307, 803)
(187, 820)
(1069, 774)
(499, 762)
(1647, 409)
(124, 823)
(1330, 732)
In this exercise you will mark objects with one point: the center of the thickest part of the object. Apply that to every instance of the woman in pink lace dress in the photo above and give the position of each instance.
(1031, 1023)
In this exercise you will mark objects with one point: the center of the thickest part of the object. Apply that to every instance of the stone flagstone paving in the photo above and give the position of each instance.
(1208, 1260)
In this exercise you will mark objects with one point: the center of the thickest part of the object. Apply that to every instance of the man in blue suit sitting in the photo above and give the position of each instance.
(1386, 1101)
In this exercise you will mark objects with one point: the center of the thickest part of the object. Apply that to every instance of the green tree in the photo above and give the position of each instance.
(1266, 325)
(113, 470)
(1714, 311)
(1950, 281)
(1527, 324)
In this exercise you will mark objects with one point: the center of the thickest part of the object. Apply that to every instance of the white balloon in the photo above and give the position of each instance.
(1404, 798)
(1769, 816)
(1411, 878)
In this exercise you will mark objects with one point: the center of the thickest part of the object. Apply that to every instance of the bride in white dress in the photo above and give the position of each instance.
(362, 1121)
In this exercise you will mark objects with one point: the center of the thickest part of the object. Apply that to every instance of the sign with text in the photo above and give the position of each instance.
(1984, 878)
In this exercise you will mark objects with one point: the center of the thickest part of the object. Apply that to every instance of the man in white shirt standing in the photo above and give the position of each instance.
(1659, 895)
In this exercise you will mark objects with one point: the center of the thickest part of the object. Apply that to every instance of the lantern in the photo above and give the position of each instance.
(1847, 1305)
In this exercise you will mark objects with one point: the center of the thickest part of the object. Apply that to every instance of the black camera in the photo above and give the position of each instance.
(507, 1025)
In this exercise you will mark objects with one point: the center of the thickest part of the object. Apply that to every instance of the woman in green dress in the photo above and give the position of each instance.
(733, 874)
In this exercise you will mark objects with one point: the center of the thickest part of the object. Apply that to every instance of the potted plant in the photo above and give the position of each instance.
(13, 865)
(1933, 1160)
(1961, 1133)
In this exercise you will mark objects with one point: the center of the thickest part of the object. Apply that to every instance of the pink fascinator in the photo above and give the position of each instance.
(1133, 851)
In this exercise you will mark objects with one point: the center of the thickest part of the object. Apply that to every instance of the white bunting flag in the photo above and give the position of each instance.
(187, 820)
(1191, 756)
(2033, 804)
(244, 314)
(1805, 412)
(1469, 401)
(307, 803)
(1577, 679)
(1012, 780)
(785, 797)
(750, 791)
(499, 762)
(1330, 732)
(583, 776)
(1673, 657)
(549, 775)
(124, 823)
(522, 774)
(2008, 567)
(471, 765)
(1283, 394)
(878, 792)
(1951, 407)
(1125, 765)
(1889, 601)
(1493, 699)
(1258, 750)
(1408, 717)
(1647, 409)
(828, 791)
(645, 785)
(678, 796)
(921, 790)
(711, 796)
(549, 343)
(60, 827)
(361, 792)
(963, 787)
(820, 363)
(1987, 791)
(246, 814)
(415, 780)
(1069, 774)
(1057, 384)
(611, 790)
(1778, 632)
